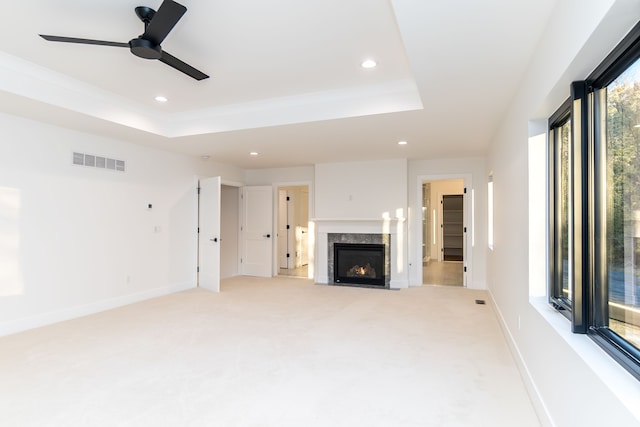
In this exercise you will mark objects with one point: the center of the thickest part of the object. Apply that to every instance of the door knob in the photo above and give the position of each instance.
(267, 236)
(215, 240)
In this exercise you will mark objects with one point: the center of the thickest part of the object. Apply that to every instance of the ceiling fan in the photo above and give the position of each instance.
(157, 26)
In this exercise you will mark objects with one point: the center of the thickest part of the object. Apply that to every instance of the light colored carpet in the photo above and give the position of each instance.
(278, 352)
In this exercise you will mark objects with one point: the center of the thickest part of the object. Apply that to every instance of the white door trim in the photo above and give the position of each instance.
(310, 227)
(419, 232)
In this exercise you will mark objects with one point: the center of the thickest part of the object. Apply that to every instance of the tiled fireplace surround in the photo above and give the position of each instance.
(387, 231)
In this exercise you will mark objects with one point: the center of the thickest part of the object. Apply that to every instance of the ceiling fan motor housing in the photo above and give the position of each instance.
(145, 48)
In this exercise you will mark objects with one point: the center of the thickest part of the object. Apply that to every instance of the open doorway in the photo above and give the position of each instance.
(443, 240)
(293, 232)
(229, 231)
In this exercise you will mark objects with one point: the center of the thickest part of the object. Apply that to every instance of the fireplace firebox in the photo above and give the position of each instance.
(359, 264)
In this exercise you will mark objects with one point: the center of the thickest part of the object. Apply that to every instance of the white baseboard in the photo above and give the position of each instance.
(399, 284)
(69, 313)
(534, 394)
(322, 278)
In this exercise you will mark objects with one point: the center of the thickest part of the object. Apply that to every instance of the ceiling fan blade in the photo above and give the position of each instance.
(174, 62)
(163, 21)
(82, 41)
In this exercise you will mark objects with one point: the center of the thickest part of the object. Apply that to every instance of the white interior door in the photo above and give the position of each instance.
(302, 244)
(257, 225)
(283, 261)
(209, 237)
(290, 230)
(303, 222)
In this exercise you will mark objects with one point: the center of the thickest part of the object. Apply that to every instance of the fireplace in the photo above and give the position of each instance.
(361, 231)
(359, 264)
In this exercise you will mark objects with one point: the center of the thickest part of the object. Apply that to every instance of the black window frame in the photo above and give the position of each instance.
(556, 298)
(620, 59)
(589, 307)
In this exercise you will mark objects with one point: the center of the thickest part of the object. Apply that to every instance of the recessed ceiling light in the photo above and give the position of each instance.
(161, 98)
(205, 157)
(402, 142)
(253, 153)
(369, 63)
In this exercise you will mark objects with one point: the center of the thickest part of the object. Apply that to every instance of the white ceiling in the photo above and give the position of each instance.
(285, 75)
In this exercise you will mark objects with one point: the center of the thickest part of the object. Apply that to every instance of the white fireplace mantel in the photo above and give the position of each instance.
(356, 219)
(358, 225)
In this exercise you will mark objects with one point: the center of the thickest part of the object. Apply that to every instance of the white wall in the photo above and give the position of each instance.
(361, 189)
(76, 239)
(571, 391)
(472, 169)
(279, 175)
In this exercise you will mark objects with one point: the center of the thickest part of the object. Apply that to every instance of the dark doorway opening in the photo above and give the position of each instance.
(452, 228)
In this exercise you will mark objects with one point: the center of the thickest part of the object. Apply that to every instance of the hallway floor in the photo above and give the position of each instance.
(301, 271)
(446, 273)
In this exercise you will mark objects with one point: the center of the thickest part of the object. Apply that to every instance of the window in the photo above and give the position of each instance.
(594, 221)
(560, 151)
(617, 318)
(623, 203)
(490, 211)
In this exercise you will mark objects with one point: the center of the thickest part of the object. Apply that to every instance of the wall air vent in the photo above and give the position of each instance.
(82, 159)
(78, 159)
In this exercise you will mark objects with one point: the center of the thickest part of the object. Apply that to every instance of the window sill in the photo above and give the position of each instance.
(620, 382)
